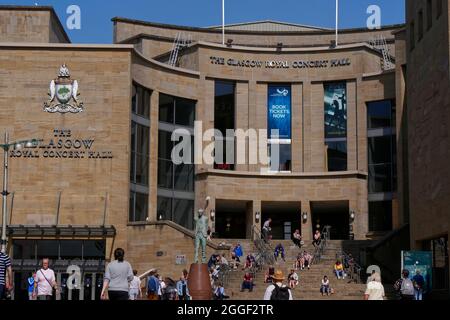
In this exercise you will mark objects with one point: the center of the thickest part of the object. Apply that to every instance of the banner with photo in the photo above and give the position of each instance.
(335, 110)
(279, 111)
(419, 262)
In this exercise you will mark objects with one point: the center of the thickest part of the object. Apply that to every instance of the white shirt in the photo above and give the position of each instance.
(294, 276)
(375, 290)
(270, 288)
(43, 286)
(266, 224)
(162, 286)
(135, 283)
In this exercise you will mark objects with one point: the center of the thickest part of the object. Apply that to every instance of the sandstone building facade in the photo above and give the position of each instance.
(104, 177)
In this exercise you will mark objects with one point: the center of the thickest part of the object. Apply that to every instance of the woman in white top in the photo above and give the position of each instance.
(135, 287)
(375, 290)
(293, 279)
(325, 287)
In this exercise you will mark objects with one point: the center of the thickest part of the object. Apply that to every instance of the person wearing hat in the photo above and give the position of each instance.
(278, 291)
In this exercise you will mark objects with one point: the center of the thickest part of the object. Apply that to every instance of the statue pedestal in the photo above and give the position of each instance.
(199, 282)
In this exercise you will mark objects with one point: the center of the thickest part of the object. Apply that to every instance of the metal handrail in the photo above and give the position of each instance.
(264, 249)
(354, 269)
(318, 252)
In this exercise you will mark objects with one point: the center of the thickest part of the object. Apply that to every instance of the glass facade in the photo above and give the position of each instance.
(335, 111)
(140, 153)
(175, 181)
(224, 118)
(380, 216)
(382, 166)
(59, 249)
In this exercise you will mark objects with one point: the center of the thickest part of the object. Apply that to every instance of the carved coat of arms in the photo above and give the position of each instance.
(64, 95)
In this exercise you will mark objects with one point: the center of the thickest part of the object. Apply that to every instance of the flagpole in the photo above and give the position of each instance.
(337, 21)
(223, 22)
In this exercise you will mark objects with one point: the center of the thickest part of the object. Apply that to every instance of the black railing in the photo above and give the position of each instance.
(265, 252)
(352, 268)
(320, 249)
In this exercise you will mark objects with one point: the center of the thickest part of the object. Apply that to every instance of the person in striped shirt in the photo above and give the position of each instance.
(5, 269)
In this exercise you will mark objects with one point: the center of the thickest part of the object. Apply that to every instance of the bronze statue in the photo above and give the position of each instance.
(201, 234)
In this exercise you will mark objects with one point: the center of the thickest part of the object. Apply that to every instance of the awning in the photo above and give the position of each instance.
(61, 231)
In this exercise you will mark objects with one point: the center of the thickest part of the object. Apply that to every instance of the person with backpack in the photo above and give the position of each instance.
(153, 286)
(404, 286)
(278, 291)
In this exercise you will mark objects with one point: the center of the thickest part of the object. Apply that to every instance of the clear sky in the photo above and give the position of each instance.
(96, 25)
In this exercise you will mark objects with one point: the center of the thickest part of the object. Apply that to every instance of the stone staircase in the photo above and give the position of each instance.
(309, 280)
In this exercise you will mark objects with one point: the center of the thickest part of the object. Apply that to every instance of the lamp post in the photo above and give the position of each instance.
(6, 146)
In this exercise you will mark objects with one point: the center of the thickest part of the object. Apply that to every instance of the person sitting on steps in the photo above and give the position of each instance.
(293, 279)
(325, 286)
(339, 270)
(297, 238)
(250, 262)
(247, 283)
(269, 275)
(317, 238)
(279, 250)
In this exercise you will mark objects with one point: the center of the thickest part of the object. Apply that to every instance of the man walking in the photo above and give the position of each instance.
(6, 283)
(182, 289)
(419, 283)
(153, 286)
(46, 281)
(404, 286)
(266, 230)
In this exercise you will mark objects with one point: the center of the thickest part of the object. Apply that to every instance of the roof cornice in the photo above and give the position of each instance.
(207, 30)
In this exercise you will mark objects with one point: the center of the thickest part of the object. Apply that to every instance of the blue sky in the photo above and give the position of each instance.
(96, 25)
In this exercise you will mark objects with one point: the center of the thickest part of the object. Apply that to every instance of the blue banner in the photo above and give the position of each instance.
(419, 263)
(279, 111)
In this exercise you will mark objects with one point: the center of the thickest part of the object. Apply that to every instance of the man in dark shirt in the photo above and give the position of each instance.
(419, 283)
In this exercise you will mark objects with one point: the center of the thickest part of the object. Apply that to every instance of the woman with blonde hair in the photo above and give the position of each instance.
(375, 289)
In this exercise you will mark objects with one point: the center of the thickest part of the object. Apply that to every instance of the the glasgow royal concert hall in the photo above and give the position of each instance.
(357, 140)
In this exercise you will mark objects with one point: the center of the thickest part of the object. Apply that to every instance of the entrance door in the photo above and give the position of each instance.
(230, 225)
(334, 214)
(231, 219)
(285, 218)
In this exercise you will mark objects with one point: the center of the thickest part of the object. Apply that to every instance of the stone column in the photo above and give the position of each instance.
(257, 208)
(306, 225)
(249, 220)
(242, 120)
(352, 135)
(297, 124)
(153, 168)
